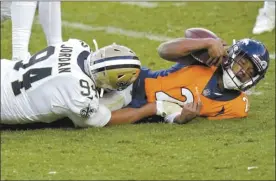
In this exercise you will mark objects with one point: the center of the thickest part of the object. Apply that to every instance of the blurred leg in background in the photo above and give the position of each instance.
(22, 14)
(5, 10)
(265, 21)
(50, 19)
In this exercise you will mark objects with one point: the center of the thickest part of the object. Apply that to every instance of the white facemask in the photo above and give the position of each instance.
(228, 82)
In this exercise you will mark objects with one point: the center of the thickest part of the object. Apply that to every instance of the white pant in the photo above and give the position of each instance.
(5, 10)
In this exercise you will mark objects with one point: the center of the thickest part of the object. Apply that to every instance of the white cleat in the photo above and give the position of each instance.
(264, 23)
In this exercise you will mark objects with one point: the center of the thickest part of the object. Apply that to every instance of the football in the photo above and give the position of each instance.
(199, 33)
(201, 55)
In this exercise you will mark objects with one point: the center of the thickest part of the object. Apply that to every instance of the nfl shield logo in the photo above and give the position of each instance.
(206, 92)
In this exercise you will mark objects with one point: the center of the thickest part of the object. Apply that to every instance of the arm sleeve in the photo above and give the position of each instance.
(84, 110)
(237, 108)
(99, 118)
(84, 113)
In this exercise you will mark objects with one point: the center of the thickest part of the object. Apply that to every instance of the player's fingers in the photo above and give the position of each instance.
(226, 47)
(196, 104)
(226, 50)
(222, 51)
(209, 61)
(215, 62)
(183, 110)
(224, 43)
(210, 52)
(190, 105)
(219, 47)
(219, 61)
(186, 106)
(198, 108)
(218, 51)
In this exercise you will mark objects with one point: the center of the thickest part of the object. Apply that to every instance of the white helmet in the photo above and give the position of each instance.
(114, 67)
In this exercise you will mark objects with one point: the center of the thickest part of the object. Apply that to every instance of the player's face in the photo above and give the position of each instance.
(243, 69)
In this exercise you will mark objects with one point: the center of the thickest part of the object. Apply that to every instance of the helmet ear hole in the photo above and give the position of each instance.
(116, 50)
(120, 76)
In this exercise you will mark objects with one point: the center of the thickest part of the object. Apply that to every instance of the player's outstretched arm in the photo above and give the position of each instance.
(131, 115)
(180, 47)
(172, 113)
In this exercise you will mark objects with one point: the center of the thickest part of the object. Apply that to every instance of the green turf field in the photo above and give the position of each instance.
(200, 150)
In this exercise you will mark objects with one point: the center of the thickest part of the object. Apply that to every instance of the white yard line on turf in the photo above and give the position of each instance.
(253, 92)
(116, 31)
(124, 32)
(272, 56)
(142, 4)
(178, 4)
(151, 4)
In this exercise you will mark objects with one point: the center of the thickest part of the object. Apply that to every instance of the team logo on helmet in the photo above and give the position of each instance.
(245, 41)
(122, 85)
(206, 92)
(261, 63)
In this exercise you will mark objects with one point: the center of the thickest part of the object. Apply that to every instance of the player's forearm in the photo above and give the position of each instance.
(178, 118)
(182, 120)
(131, 115)
(181, 47)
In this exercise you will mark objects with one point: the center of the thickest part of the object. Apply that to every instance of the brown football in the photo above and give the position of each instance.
(201, 55)
(199, 33)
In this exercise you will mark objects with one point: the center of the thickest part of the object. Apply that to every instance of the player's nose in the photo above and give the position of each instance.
(241, 74)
